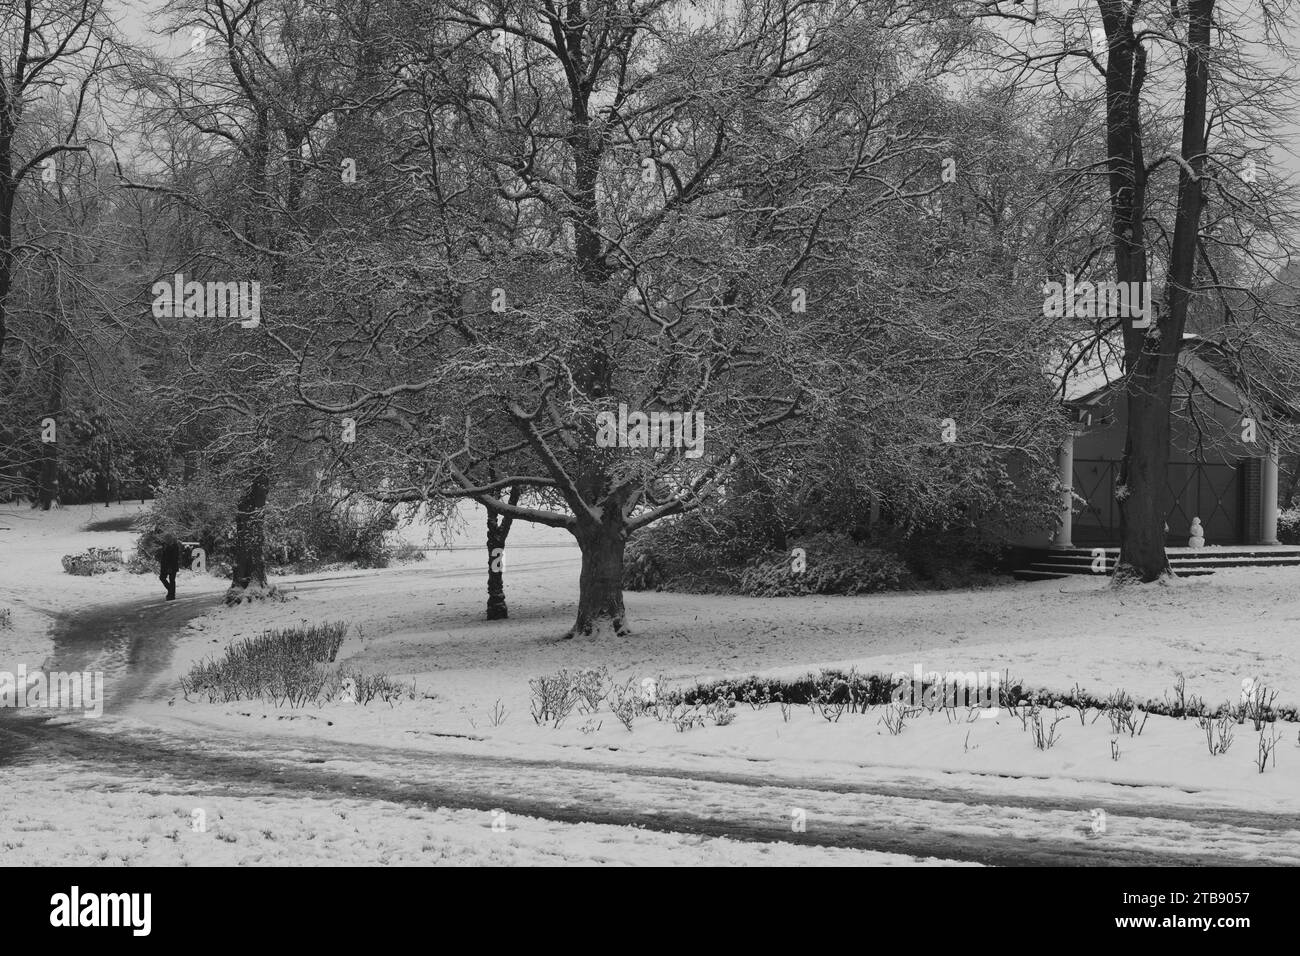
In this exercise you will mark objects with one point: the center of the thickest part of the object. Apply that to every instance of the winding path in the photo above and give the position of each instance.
(133, 644)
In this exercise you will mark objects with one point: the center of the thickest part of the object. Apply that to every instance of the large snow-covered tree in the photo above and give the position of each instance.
(608, 210)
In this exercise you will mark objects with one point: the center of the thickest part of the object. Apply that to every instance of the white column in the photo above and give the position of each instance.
(1065, 475)
(1268, 497)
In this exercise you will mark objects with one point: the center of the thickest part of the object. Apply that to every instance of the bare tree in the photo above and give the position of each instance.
(615, 214)
(59, 46)
(254, 90)
(1190, 98)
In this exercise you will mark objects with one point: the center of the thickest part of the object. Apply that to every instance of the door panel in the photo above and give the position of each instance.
(1208, 491)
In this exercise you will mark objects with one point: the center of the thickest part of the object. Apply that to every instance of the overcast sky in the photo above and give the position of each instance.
(138, 19)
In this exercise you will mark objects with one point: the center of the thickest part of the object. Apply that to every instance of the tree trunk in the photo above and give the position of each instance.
(48, 491)
(1144, 472)
(250, 536)
(496, 542)
(498, 529)
(1151, 357)
(104, 477)
(600, 586)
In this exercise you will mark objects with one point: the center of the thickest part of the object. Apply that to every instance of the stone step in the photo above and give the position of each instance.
(1234, 562)
(1186, 561)
(1025, 574)
(1066, 569)
(1054, 563)
(1244, 550)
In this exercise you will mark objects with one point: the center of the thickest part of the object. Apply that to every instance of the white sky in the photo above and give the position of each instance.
(137, 18)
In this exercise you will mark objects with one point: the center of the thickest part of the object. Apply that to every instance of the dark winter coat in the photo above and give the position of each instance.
(169, 556)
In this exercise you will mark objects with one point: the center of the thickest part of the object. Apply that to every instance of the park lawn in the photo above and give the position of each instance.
(423, 623)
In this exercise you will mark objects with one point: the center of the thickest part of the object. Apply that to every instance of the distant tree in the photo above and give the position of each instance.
(56, 51)
(1191, 95)
(242, 113)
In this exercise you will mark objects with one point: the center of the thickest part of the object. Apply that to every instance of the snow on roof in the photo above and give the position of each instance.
(1092, 366)
(1081, 372)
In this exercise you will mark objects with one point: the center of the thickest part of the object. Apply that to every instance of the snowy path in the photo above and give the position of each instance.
(351, 784)
(891, 814)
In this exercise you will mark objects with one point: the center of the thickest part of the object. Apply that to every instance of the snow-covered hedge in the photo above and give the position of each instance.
(825, 564)
(94, 561)
(1288, 526)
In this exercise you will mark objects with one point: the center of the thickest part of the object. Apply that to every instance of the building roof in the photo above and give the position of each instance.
(1086, 376)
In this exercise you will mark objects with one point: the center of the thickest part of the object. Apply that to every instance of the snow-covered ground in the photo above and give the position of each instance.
(423, 622)
(117, 824)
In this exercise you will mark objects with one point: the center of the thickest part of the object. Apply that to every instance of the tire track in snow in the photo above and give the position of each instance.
(903, 821)
(894, 816)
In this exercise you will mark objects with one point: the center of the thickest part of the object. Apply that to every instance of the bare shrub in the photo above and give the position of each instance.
(1218, 733)
(1045, 736)
(895, 717)
(590, 687)
(1258, 703)
(552, 698)
(832, 701)
(1267, 749)
(625, 703)
(1122, 713)
(686, 717)
(371, 687)
(757, 699)
(787, 708)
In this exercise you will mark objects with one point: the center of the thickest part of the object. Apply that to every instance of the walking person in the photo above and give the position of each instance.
(169, 562)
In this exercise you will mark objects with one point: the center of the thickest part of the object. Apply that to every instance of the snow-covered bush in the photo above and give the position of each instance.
(404, 551)
(714, 553)
(553, 698)
(278, 666)
(86, 565)
(198, 510)
(722, 712)
(830, 564)
(946, 557)
(1288, 525)
(626, 703)
(696, 553)
(137, 563)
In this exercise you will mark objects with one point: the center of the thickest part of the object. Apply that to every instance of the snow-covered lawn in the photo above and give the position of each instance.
(423, 622)
(79, 818)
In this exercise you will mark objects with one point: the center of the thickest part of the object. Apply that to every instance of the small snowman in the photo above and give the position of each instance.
(348, 691)
(1197, 540)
